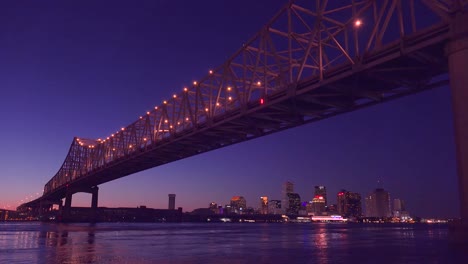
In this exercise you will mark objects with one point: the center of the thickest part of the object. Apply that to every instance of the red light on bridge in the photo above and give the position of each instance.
(341, 193)
(261, 101)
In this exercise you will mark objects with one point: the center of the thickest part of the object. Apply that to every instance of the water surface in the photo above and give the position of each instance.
(227, 243)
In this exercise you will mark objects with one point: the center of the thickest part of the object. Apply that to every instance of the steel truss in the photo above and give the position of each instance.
(313, 60)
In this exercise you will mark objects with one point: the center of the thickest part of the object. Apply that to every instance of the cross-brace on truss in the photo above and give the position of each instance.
(312, 60)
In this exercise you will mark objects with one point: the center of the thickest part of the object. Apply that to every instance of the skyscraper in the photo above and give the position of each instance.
(264, 205)
(238, 204)
(288, 187)
(321, 191)
(378, 204)
(171, 201)
(294, 203)
(349, 204)
(214, 207)
(318, 205)
(274, 207)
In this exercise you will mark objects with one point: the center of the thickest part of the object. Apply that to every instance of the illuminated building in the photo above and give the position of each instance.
(321, 191)
(264, 205)
(349, 204)
(294, 204)
(318, 205)
(214, 207)
(228, 209)
(288, 187)
(399, 209)
(171, 201)
(378, 204)
(274, 207)
(238, 204)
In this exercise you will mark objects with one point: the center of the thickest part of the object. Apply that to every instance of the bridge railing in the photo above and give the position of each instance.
(305, 41)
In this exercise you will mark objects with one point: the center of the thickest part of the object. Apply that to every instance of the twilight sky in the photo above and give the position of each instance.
(87, 68)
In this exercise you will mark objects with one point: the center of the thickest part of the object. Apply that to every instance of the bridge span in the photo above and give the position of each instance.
(311, 61)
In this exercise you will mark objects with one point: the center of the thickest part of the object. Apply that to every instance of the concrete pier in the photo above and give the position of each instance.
(66, 210)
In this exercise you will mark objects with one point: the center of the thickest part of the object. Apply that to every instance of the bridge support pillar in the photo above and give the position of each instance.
(457, 53)
(67, 207)
(94, 203)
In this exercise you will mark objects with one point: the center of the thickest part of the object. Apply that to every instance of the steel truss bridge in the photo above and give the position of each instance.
(311, 61)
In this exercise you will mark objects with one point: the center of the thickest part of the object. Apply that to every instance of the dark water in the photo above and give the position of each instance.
(227, 243)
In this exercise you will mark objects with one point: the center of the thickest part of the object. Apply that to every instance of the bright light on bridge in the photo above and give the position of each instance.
(358, 23)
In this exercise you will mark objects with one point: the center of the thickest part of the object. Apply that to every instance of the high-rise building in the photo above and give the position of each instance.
(171, 201)
(317, 205)
(321, 191)
(349, 204)
(274, 207)
(238, 204)
(264, 205)
(378, 204)
(294, 203)
(288, 187)
(399, 209)
(214, 207)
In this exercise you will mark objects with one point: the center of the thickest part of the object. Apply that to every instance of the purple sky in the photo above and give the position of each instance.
(87, 68)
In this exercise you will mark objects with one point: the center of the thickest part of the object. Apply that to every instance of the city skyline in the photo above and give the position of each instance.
(80, 80)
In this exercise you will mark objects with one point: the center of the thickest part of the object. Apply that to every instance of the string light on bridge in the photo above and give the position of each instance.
(358, 23)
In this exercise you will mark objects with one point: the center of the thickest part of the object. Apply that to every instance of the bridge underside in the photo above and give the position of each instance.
(403, 68)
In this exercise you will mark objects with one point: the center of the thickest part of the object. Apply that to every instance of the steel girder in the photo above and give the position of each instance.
(312, 60)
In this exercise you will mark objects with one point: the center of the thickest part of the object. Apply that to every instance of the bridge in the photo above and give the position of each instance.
(311, 61)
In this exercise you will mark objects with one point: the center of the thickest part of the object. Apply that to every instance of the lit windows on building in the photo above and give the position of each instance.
(349, 204)
(238, 204)
(294, 204)
(274, 207)
(318, 205)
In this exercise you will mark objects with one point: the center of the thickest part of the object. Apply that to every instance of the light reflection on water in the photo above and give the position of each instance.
(226, 243)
